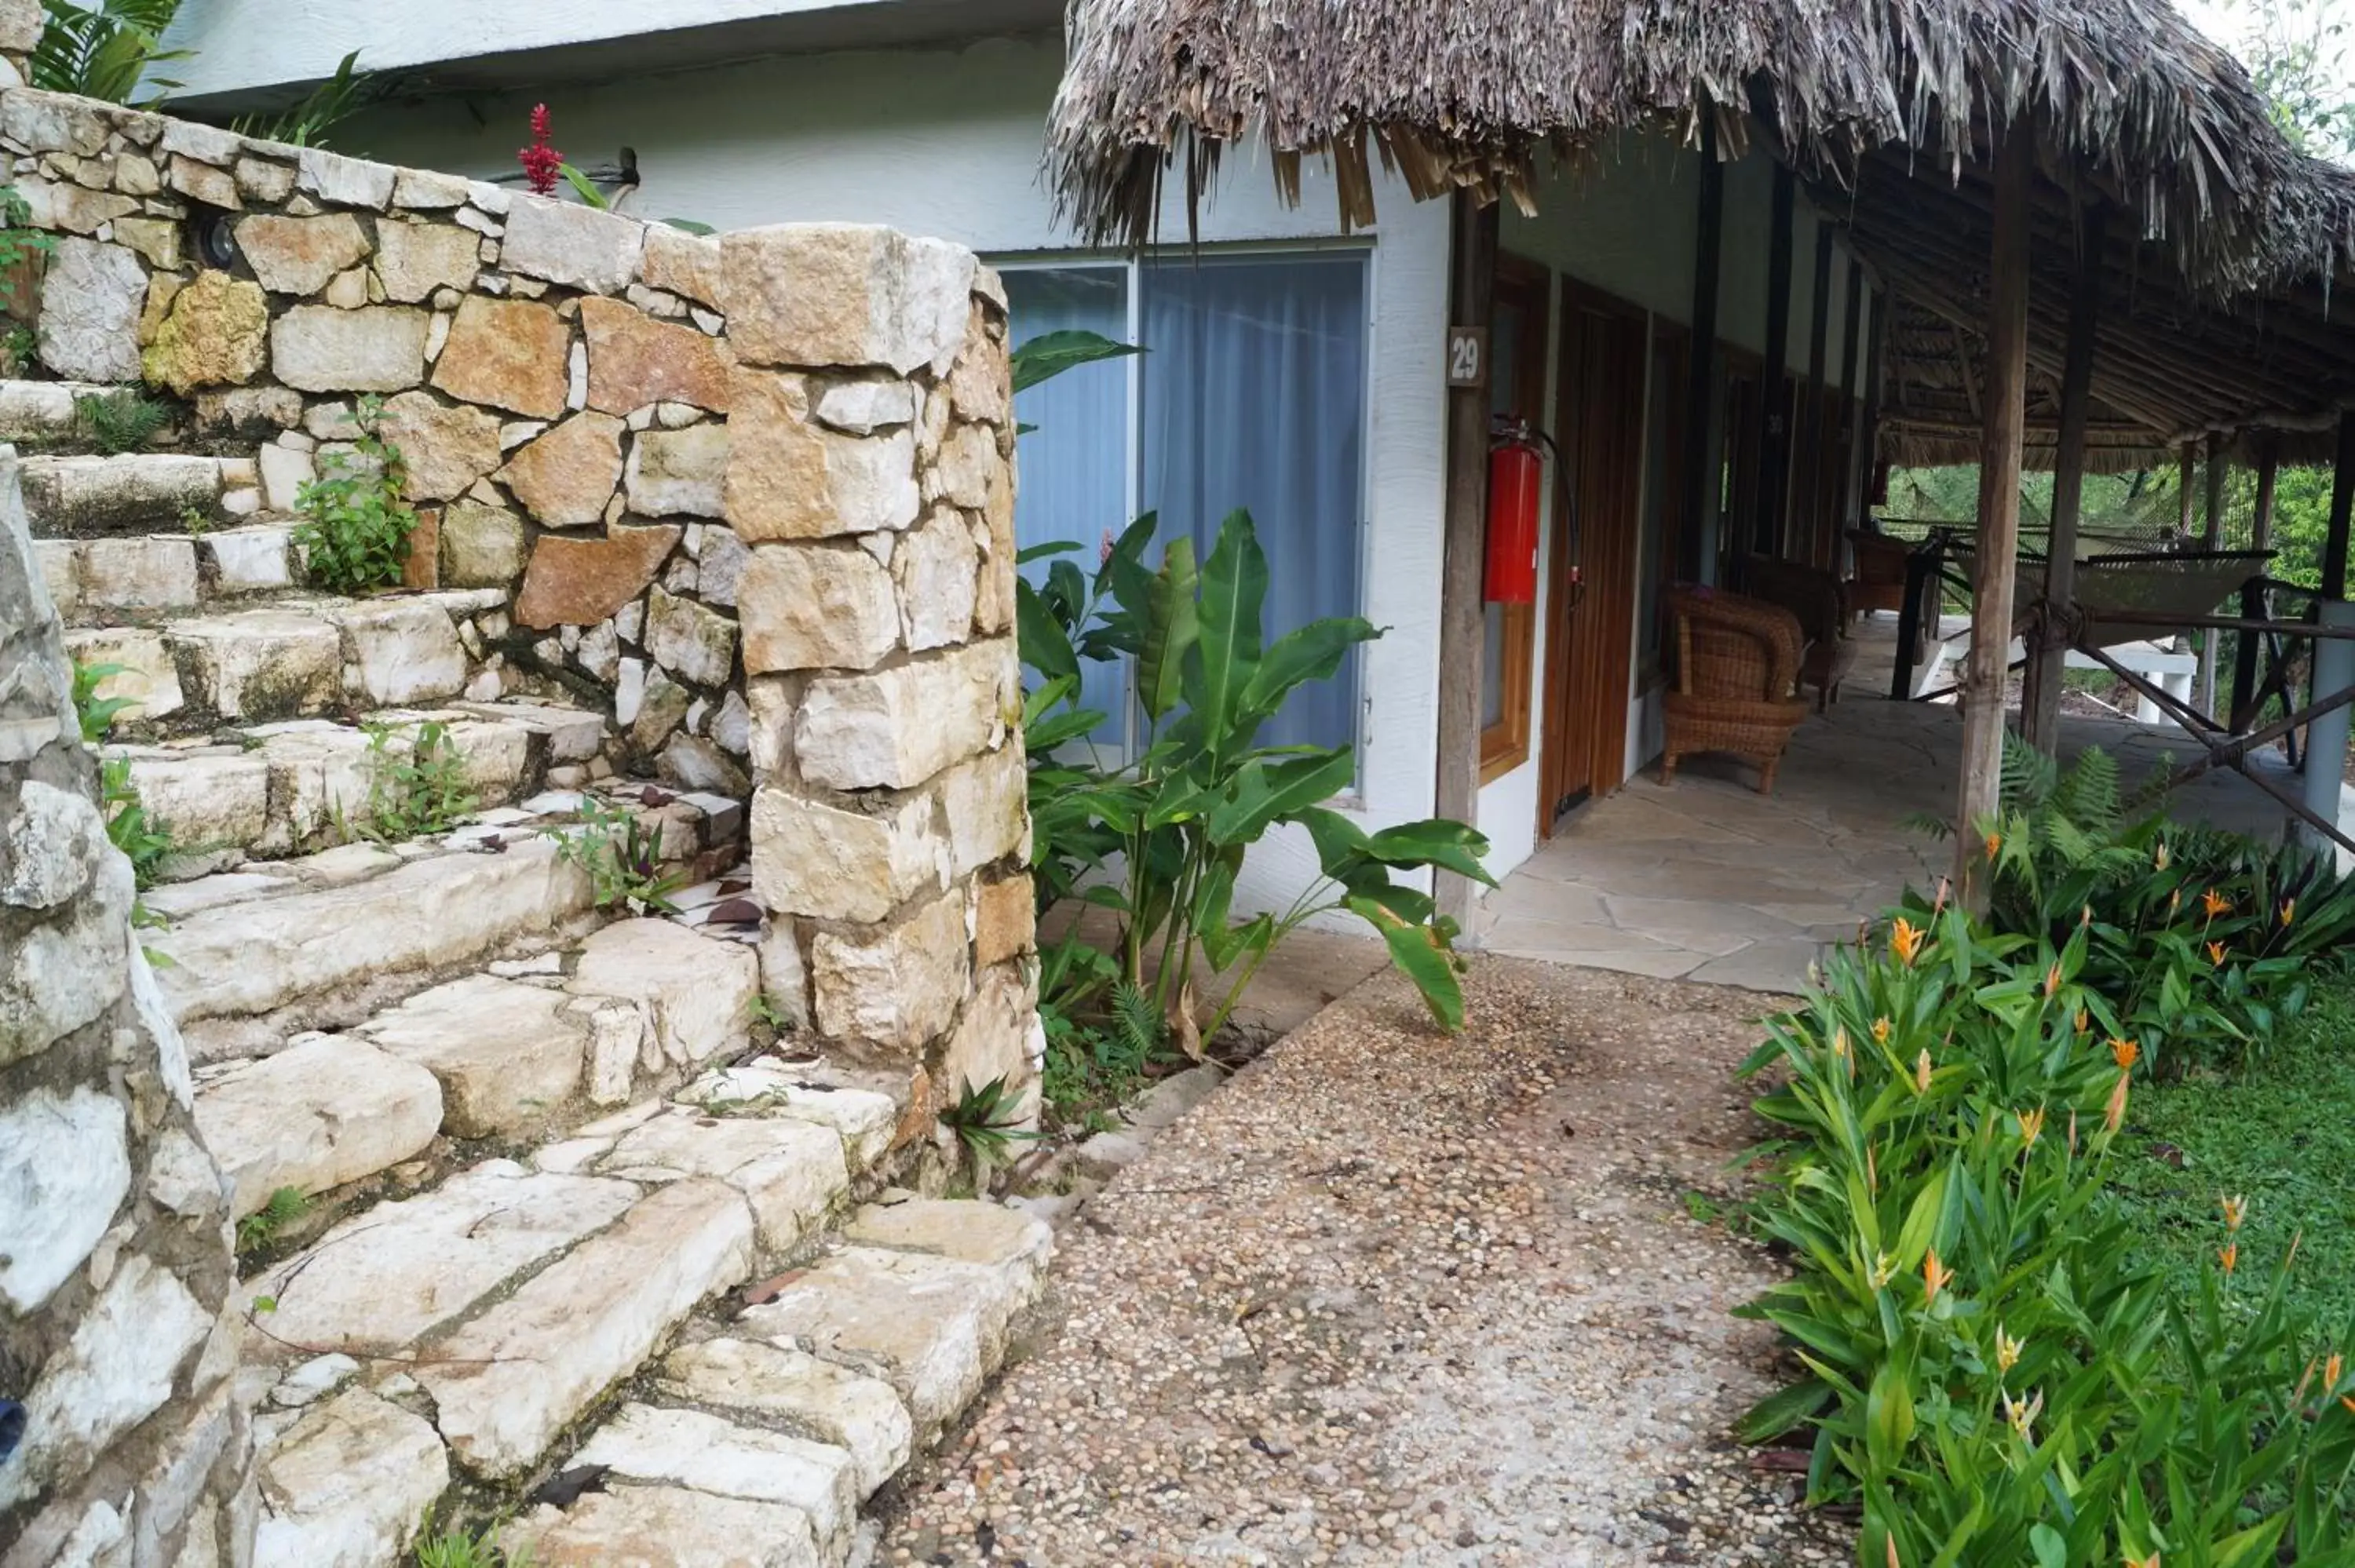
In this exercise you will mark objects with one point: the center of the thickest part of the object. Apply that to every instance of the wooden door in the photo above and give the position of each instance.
(1590, 602)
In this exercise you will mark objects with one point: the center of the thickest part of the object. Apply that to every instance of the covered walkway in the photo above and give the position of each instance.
(1708, 880)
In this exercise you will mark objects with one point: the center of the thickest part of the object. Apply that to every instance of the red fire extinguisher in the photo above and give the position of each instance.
(1516, 480)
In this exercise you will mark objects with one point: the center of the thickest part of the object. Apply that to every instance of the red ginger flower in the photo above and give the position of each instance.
(542, 165)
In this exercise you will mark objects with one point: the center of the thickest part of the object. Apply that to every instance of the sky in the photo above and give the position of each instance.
(2228, 23)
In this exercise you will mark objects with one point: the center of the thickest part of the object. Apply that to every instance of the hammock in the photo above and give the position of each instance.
(2189, 583)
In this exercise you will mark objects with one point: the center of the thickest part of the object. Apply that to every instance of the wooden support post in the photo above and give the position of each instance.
(1461, 614)
(2211, 537)
(1875, 369)
(1775, 384)
(1701, 487)
(2039, 704)
(2261, 524)
(1844, 504)
(2343, 510)
(2190, 463)
(2255, 602)
(1806, 521)
(1987, 672)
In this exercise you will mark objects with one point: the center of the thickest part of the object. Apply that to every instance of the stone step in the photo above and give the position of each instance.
(103, 581)
(300, 656)
(245, 944)
(302, 785)
(44, 411)
(136, 493)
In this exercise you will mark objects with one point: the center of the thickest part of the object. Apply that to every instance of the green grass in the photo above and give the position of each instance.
(2281, 1134)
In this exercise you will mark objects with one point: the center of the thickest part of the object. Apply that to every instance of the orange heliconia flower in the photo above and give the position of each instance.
(2031, 1128)
(1934, 1276)
(1906, 939)
(2333, 1367)
(2289, 912)
(2158, 860)
(2235, 1211)
(2083, 1021)
(1922, 1072)
(2149, 1562)
(2229, 1256)
(2052, 978)
(2216, 954)
(1994, 841)
(2124, 1052)
(2174, 902)
(2348, 1400)
(2215, 904)
(2114, 1115)
(1881, 1029)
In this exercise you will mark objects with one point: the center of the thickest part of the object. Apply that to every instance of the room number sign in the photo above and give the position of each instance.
(1467, 357)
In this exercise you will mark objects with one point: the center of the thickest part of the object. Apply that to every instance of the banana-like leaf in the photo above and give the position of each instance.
(1171, 627)
(1265, 795)
(1415, 953)
(1045, 646)
(1227, 647)
(1435, 841)
(1310, 652)
(1048, 354)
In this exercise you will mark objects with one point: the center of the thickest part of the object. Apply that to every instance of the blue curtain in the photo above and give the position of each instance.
(1254, 398)
(1073, 480)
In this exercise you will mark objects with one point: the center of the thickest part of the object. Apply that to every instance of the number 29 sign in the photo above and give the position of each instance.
(1467, 357)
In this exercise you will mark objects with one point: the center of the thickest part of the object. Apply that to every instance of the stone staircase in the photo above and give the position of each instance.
(582, 1251)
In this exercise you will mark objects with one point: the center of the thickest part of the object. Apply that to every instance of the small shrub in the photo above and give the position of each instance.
(459, 1548)
(121, 421)
(354, 530)
(986, 1123)
(260, 1228)
(20, 243)
(418, 789)
(622, 858)
(96, 714)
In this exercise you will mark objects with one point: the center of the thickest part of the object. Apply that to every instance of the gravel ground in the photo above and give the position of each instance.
(1394, 1299)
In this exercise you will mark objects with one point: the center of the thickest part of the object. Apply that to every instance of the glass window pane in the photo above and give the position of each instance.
(1072, 464)
(1492, 667)
(1254, 398)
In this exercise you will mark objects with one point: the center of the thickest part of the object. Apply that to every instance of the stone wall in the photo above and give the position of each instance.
(114, 1242)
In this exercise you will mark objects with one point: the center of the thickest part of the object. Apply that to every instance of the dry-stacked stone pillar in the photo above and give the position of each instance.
(120, 1442)
(870, 444)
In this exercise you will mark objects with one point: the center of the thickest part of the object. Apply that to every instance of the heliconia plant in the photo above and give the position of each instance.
(543, 165)
(1993, 1370)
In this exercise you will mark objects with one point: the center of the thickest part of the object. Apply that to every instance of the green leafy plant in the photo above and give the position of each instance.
(987, 1121)
(1993, 1371)
(258, 1229)
(20, 243)
(106, 50)
(621, 857)
(1159, 840)
(417, 780)
(459, 1548)
(96, 714)
(354, 530)
(129, 829)
(19, 347)
(307, 124)
(120, 421)
(761, 1010)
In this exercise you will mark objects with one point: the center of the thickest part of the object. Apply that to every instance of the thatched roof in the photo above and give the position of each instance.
(2221, 258)
(2126, 94)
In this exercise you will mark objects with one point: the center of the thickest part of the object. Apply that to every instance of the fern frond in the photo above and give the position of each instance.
(2027, 777)
(1138, 1021)
(2088, 793)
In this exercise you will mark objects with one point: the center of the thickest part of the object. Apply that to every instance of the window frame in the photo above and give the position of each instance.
(1529, 286)
(1134, 266)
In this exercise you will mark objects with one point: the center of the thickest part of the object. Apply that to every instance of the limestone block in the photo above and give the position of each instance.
(566, 477)
(204, 802)
(407, 651)
(344, 182)
(249, 560)
(482, 547)
(285, 472)
(519, 1374)
(116, 1372)
(897, 727)
(681, 263)
(444, 449)
(1015, 1246)
(329, 1110)
(862, 1119)
(1006, 922)
(53, 123)
(666, 1527)
(262, 180)
(968, 464)
(690, 641)
(157, 238)
(674, 473)
(348, 1485)
(148, 679)
(806, 607)
(937, 568)
(863, 407)
(993, 610)
(298, 254)
(52, 848)
(91, 298)
(255, 956)
(662, 708)
(980, 386)
(635, 360)
(377, 1282)
(377, 349)
(508, 353)
(842, 294)
(257, 413)
(992, 1043)
(987, 802)
(720, 568)
(261, 664)
(41, 410)
(579, 582)
(832, 863)
(155, 573)
(814, 1398)
(66, 1169)
(791, 479)
(696, 991)
(507, 1054)
(63, 973)
(125, 494)
(791, 1171)
(414, 259)
(70, 207)
(203, 183)
(897, 988)
(687, 1447)
(570, 244)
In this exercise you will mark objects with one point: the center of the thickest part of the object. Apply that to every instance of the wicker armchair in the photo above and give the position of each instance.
(1821, 603)
(1736, 661)
(1880, 579)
